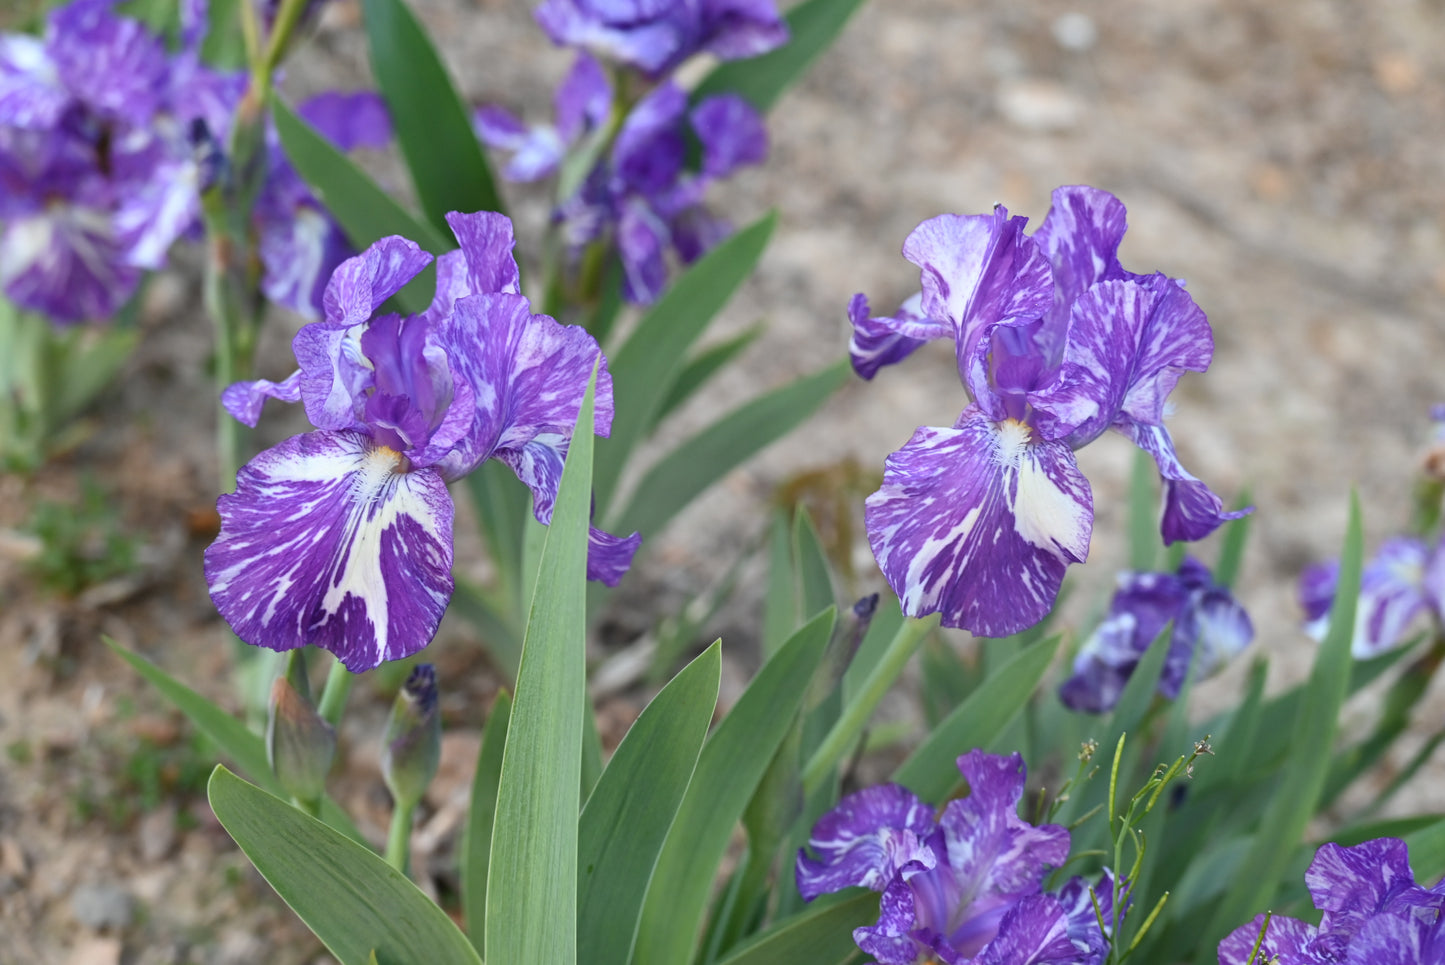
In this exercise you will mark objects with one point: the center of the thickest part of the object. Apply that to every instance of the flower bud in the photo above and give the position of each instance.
(299, 743)
(413, 740)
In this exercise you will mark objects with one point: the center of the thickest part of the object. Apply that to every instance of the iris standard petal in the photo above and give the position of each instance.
(114, 65)
(734, 29)
(1034, 931)
(1081, 236)
(329, 540)
(649, 45)
(1352, 884)
(1128, 344)
(299, 253)
(979, 522)
(1191, 509)
(1286, 940)
(486, 240)
(979, 271)
(334, 376)
(1392, 596)
(360, 284)
(867, 839)
(583, 99)
(528, 374)
(732, 134)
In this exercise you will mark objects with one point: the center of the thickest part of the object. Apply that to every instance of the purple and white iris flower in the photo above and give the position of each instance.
(97, 166)
(1055, 343)
(1403, 581)
(1374, 914)
(342, 537)
(961, 885)
(654, 36)
(1209, 628)
(639, 195)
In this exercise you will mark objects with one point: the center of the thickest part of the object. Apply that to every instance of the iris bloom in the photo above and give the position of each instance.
(963, 885)
(1209, 628)
(97, 167)
(639, 195)
(654, 36)
(1374, 914)
(342, 537)
(1055, 343)
(1404, 579)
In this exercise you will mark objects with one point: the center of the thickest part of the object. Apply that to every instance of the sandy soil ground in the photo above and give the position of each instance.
(1284, 158)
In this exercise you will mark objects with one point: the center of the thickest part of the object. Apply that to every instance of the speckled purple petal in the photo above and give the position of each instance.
(1222, 631)
(583, 99)
(1103, 665)
(334, 375)
(1398, 940)
(732, 134)
(979, 522)
(988, 844)
(889, 941)
(867, 839)
(1128, 344)
(641, 244)
(349, 120)
(1392, 596)
(1085, 903)
(245, 399)
(114, 65)
(31, 95)
(979, 272)
(360, 284)
(1353, 884)
(650, 148)
(1081, 236)
(1034, 931)
(486, 241)
(157, 205)
(528, 374)
(65, 262)
(1191, 509)
(735, 29)
(1285, 939)
(883, 340)
(327, 540)
(610, 557)
(299, 254)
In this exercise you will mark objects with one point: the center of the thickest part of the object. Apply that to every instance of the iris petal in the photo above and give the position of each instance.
(328, 541)
(979, 522)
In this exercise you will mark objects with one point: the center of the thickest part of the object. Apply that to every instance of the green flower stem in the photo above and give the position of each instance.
(398, 839)
(855, 717)
(333, 697)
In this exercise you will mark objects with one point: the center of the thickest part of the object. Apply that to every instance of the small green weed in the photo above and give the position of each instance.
(81, 545)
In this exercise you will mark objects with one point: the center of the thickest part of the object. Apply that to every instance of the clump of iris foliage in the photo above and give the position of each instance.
(1065, 804)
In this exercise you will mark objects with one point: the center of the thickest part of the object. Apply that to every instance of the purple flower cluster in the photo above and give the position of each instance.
(342, 537)
(963, 885)
(1055, 342)
(1404, 579)
(1374, 914)
(639, 194)
(98, 170)
(1209, 628)
(107, 142)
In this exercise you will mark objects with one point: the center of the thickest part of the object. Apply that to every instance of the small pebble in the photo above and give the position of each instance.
(1075, 31)
(101, 906)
